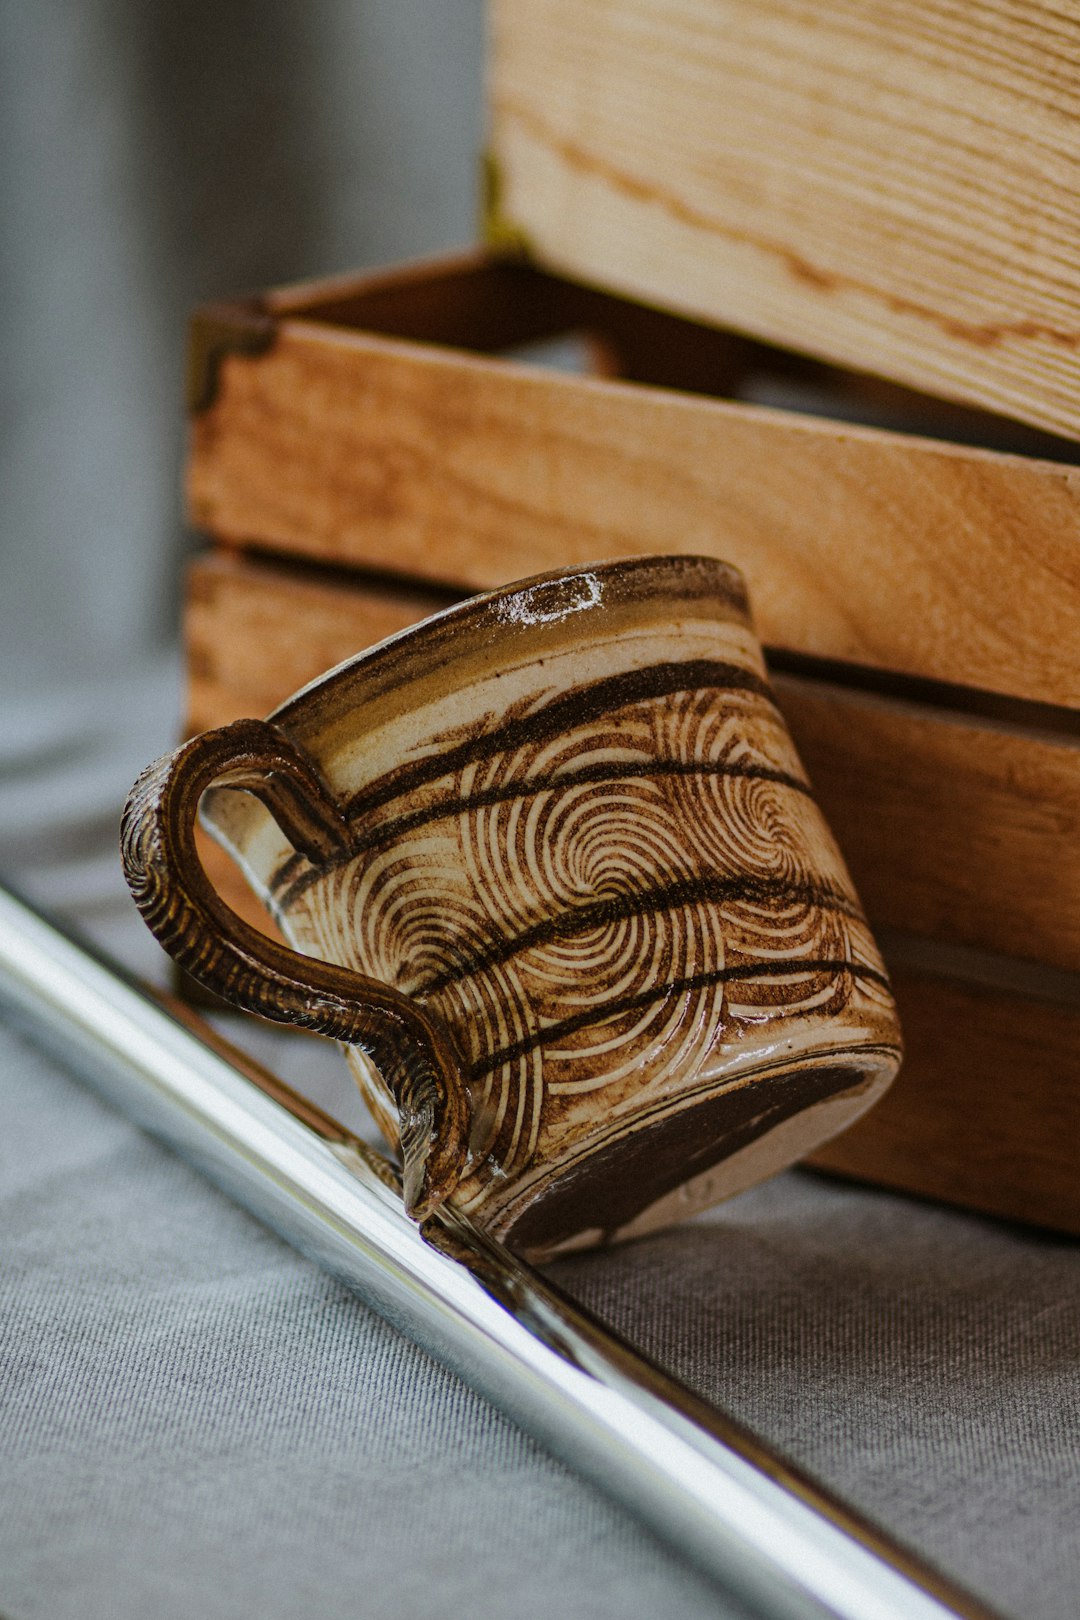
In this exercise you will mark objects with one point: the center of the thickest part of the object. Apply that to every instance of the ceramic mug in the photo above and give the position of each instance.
(550, 867)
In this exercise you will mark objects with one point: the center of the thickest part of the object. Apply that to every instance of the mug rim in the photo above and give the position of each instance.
(724, 579)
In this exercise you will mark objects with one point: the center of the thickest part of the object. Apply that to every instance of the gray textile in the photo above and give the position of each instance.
(153, 156)
(195, 1421)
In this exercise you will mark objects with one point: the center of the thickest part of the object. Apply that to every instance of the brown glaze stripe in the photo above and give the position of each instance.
(615, 908)
(579, 706)
(625, 770)
(529, 787)
(644, 998)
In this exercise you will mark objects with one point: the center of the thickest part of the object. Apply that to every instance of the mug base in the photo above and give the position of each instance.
(664, 1169)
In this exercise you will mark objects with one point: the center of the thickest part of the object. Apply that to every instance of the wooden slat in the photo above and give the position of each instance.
(986, 1109)
(953, 564)
(473, 301)
(255, 634)
(478, 301)
(889, 186)
(955, 830)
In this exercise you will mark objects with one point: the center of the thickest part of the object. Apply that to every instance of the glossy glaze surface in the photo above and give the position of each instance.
(570, 829)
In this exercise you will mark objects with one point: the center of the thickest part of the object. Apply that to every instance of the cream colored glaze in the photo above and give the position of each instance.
(415, 906)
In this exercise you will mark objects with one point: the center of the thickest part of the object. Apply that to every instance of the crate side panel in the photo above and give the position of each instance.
(887, 186)
(901, 553)
(986, 1109)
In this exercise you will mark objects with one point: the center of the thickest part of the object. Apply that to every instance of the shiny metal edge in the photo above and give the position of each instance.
(764, 1531)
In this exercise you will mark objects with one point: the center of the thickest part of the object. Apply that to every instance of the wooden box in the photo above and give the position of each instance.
(367, 450)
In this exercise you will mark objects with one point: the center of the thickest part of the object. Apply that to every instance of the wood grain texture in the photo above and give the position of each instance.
(254, 634)
(986, 1109)
(492, 306)
(887, 185)
(887, 550)
(954, 829)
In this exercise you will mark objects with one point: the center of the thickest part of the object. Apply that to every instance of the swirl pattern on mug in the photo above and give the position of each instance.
(599, 905)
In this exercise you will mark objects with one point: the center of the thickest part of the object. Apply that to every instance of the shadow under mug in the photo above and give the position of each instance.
(552, 871)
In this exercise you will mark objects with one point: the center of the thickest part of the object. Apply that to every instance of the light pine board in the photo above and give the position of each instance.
(254, 634)
(986, 1109)
(890, 186)
(897, 552)
(954, 829)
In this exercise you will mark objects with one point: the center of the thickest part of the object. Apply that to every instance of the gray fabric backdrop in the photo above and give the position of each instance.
(155, 155)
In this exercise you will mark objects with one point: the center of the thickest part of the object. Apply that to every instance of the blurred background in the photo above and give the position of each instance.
(152, 156)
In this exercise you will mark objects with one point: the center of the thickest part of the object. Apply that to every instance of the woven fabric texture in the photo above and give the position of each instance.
(195, 1420)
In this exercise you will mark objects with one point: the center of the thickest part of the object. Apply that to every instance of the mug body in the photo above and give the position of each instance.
(580, 835)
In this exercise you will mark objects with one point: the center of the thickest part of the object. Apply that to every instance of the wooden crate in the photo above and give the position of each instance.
(366, 452)
(374, 424)
(890, 186)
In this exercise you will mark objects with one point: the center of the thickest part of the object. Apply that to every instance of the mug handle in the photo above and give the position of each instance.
(412, 1049)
